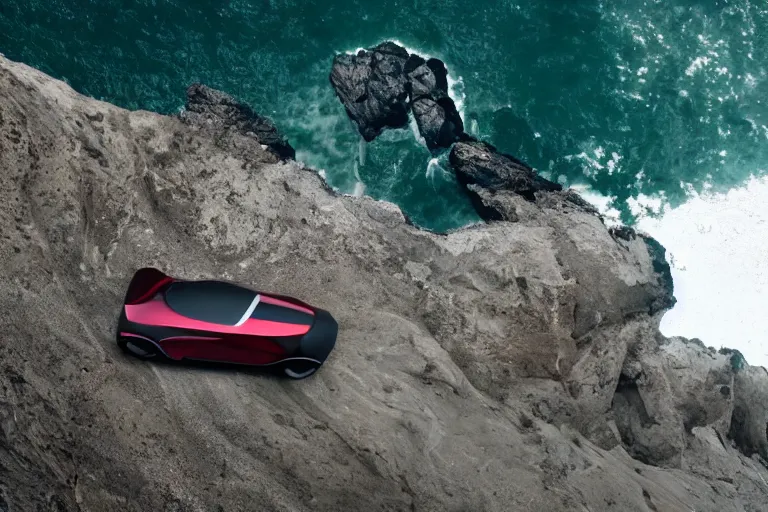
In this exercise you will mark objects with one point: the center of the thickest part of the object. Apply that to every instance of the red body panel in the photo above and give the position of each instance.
(152, 290)
(234, 349)
(248, 343)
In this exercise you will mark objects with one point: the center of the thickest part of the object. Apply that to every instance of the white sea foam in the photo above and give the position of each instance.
(432, 166)
(697, 64)
(601, 202)
(591, 165)
(415, 130)
(362, 151)
(613, 162)
(456, 92)
(717, 246)
(474, 129)
(359, 189)
(643, 204)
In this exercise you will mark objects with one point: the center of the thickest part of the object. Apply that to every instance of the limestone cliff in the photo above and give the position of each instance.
(515, 365)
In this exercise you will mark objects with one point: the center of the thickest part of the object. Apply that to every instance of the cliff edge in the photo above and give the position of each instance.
(515, 365)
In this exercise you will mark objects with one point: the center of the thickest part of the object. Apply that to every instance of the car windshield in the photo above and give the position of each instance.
(211, 301)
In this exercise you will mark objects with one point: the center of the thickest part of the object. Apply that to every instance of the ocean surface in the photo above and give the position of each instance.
(656, 110)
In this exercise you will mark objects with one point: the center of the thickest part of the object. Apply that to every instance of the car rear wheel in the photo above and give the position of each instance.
(298, 369)
(139, 348)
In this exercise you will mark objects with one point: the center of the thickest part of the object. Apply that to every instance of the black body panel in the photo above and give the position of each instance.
(282, 314)
(209, 301)
(321, 338)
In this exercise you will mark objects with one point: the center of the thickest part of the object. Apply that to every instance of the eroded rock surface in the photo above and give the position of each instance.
(508, 366)
(219, 111)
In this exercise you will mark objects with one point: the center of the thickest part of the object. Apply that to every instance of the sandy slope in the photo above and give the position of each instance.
(474, 371)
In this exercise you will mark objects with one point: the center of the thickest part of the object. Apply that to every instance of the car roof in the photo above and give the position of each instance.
(216, 302)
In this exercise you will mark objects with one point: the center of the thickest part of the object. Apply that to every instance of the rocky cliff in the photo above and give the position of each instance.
(515, 365)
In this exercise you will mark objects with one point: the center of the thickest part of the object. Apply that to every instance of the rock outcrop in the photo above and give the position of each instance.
(219, 111)
(749, 425)
(372, 86)
(380, 85)
(435, 112)
(479, 163)
(507, 366)
(489, 177)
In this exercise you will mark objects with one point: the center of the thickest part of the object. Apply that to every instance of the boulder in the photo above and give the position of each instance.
(372, 87)
(380, 85)
(439, 122)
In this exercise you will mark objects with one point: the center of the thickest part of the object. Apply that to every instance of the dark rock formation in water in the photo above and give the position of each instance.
(372, 87)
(379, 85)
(211, 108)
(439, 122)
(483, 171)
(512, 365)
(479, 163)
(660, 265)
(436, 115)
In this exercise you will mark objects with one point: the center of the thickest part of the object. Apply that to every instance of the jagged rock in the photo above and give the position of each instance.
(211, 108)
(749, 427)
(701, 384)
(426, 78)
(493, 206)
(372, 87)
(624, 232)
(666, 392)
(379, 85)
(474, 370)
(481, 164)
(439, 122)
(661, 267)
(436, 115)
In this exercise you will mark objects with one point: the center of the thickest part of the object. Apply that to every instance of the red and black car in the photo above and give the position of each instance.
(222, 322)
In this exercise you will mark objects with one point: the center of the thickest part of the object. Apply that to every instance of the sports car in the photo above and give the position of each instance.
(222, 322)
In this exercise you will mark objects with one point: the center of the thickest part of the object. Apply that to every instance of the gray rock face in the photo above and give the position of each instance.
(211, 108)
(507, 366)
(666, 392)
(749, 428)
(495, 181)
(378, 86)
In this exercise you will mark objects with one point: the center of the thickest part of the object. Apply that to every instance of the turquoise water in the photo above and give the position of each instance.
(627, 97)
